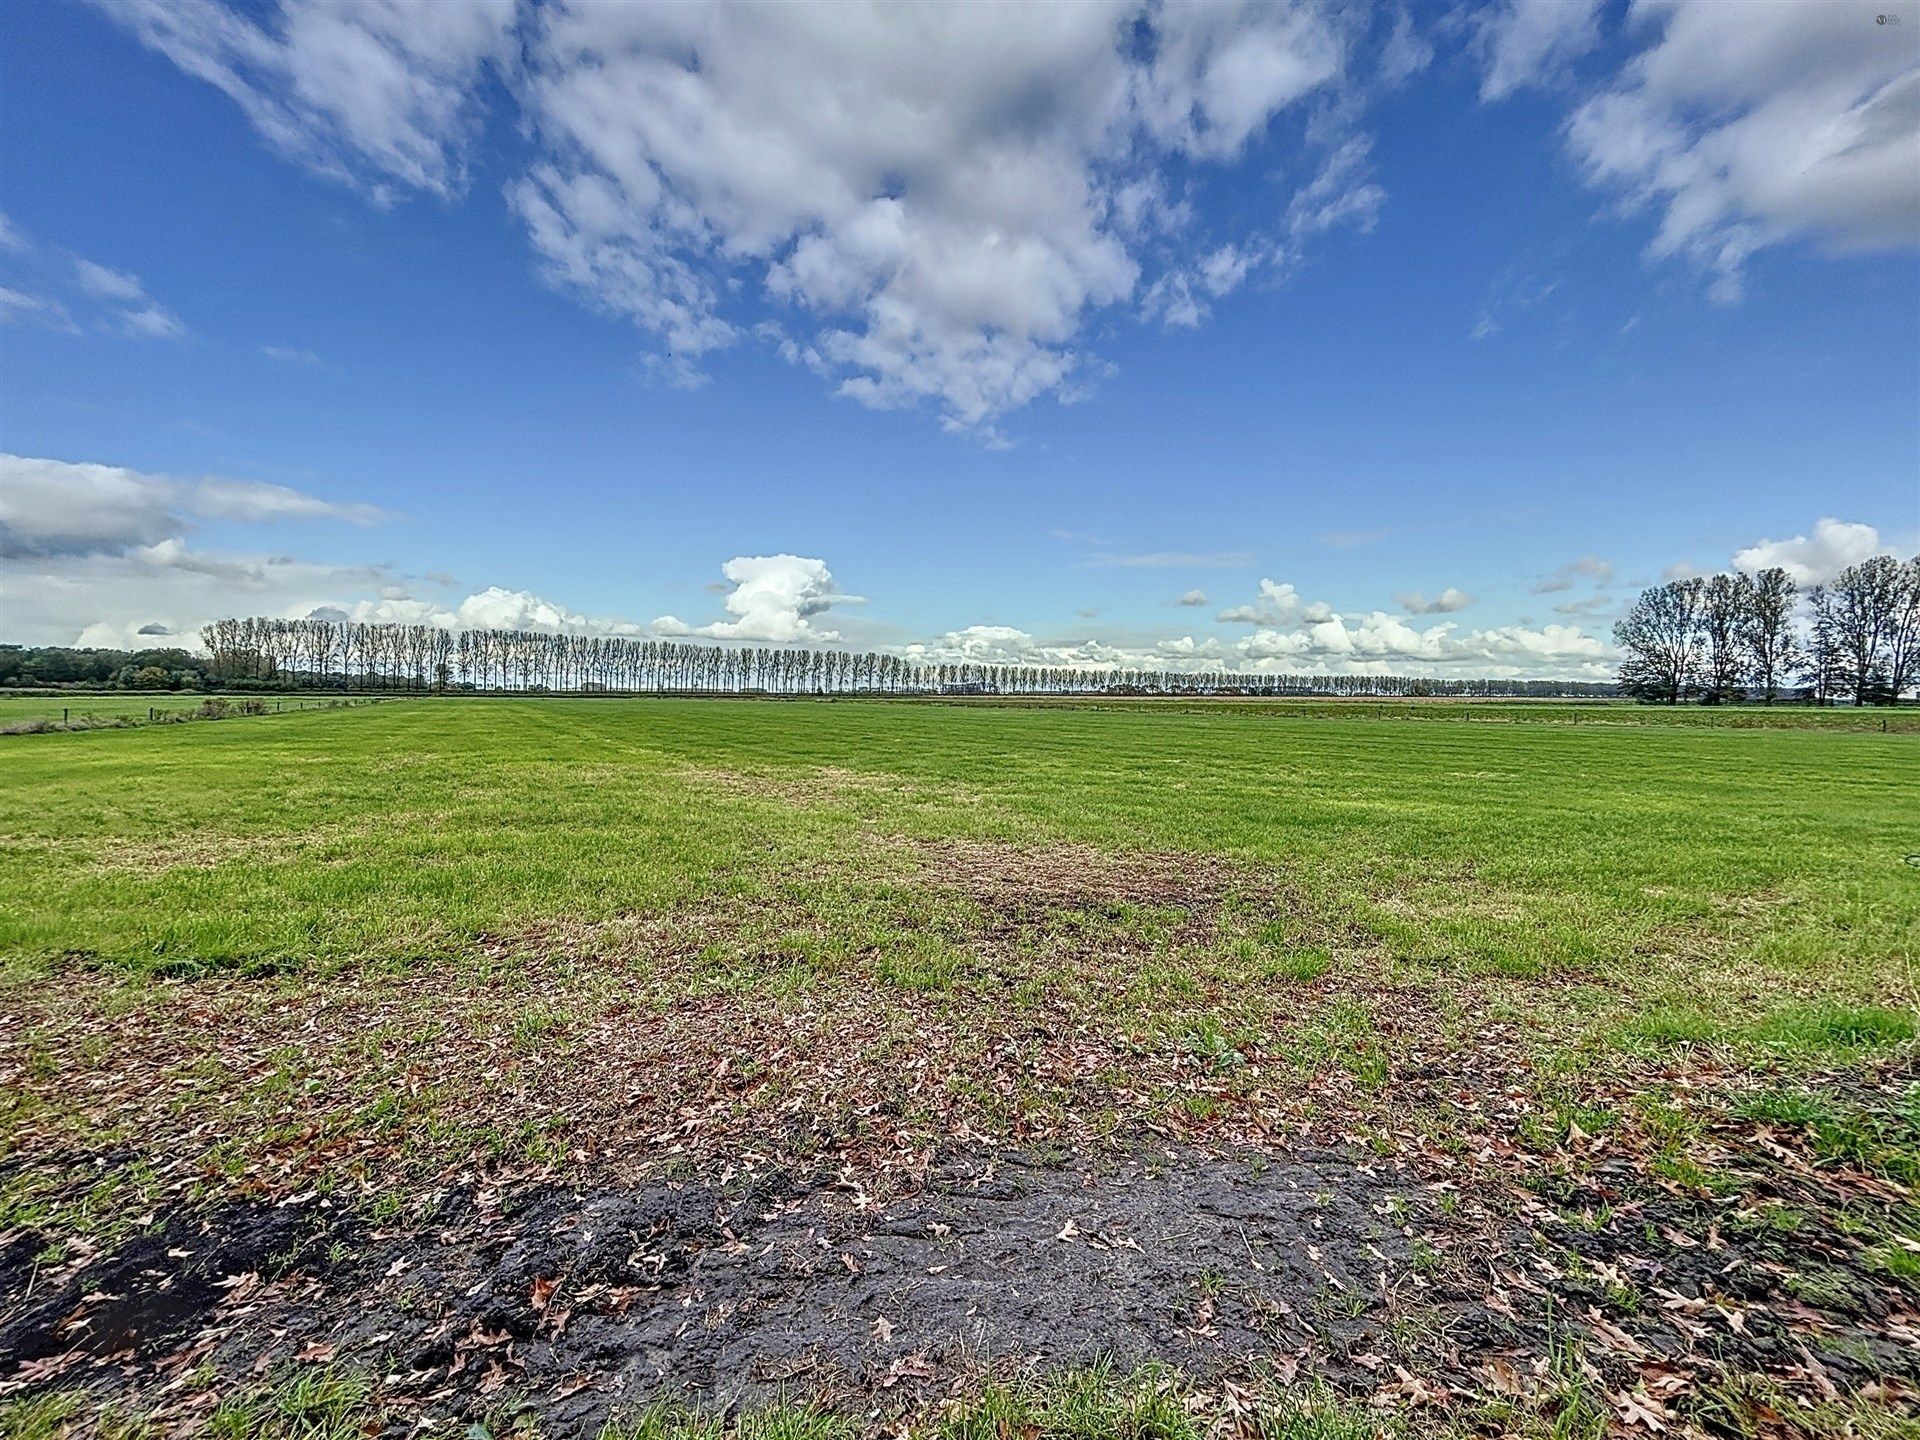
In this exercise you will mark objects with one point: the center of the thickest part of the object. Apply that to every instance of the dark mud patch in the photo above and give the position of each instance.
(580, 1301)
(141, 1299)
(1321, 1266)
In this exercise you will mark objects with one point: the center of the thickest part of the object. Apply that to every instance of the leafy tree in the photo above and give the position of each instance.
(1903, 642)
(1865, 603)
(1724, 603)
(1662, 638)
(1766, 630)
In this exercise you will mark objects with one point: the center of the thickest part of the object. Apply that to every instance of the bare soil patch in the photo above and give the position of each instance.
(1060, 876)
(1311, 1266)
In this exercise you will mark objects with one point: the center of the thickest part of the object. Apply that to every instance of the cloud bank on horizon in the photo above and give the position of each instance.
(109, 553)
(923, 210)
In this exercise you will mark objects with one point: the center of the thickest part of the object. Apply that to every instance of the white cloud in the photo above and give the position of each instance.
(55, 507)
(1385, 641)
(1312, 637)
(126, 301)
(1814, 559)
(494, 608)
(1406, 52)
(1341, 194)
(256, 501)
(1587, 567)
(1511, 295)
(1590, 605)
(1531, 42)
(937, 204)
(1277, 602)
(107, 284)
(1447, 602)
(153, 321)
(18, 305)
(102, 553)
(1745, 128)
(109, 299)
(774, 599)
(109, 598)
(289, 355)
(99, 555)
(377, 93)
(929, 206)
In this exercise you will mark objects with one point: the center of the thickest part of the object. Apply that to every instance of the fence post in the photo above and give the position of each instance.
(152, 714)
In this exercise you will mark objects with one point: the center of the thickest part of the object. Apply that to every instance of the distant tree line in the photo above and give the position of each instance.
(319, 654)
(166, 668)
(1722, 639)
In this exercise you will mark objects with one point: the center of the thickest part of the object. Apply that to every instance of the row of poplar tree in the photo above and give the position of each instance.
(1727, 638)
(347, 655)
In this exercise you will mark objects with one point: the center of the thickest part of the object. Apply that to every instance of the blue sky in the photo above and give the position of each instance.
(857, 332)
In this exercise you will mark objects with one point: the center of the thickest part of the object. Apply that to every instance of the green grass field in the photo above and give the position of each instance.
(655, 939)
(401, 833)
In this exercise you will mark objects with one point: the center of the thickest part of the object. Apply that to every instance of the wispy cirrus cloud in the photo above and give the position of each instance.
(1169, 560)
(62, 291)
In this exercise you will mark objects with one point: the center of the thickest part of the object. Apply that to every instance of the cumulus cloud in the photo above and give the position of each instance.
(55, 507)
(1446, 602)
(775, 599)
(1008, 645)
(379, 93)
(1587, 567)
(1794, 119)
(1378, 636)
(494, 608)
(1277, 602)
(921, 208)
(938, 220)
(1531, 42)
(1294, 633)
(1192, 597)
(1816, 558)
